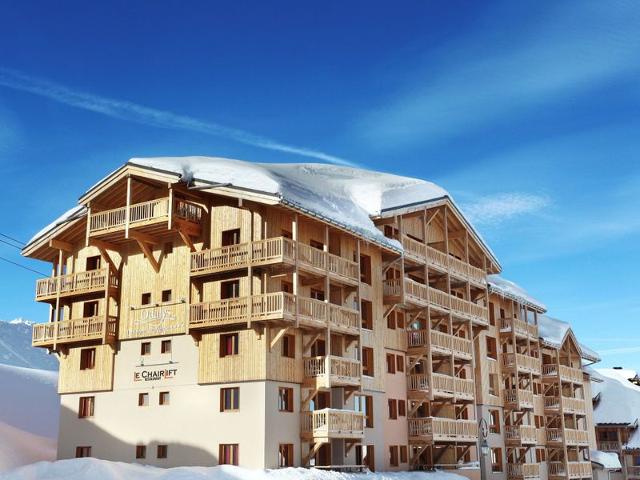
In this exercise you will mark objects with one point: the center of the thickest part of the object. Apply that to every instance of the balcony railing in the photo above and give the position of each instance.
(519, 397)
(330, 423)
(424, 295)
(551, 402)
(523, 363)
(521, 434)
(567, 374)
(554, 435)
(633, 472)
(609, 445)
(77, 330)
(144, 213)
(576, 437)
(332, 371)
(520, 327)
(440, 341)
(443, 385)
(579, 469)
(423, 253)
(274, 306)
(78, 283)
(436, 429)
(573, 405)
(523, 470)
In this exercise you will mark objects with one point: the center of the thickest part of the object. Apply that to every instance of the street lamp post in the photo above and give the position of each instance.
(483, 447)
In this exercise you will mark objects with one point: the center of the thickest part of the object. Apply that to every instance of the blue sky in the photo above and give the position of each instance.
(525, 111)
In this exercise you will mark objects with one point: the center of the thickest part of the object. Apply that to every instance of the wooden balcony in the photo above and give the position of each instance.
(633, 472)
(521, 328)
(74, 284)
(520, 471)
(609, 446)
(331, 371)
(80, 330)
(328, 423)
(573, 405)
(569, 470)
(279, 306)
(436, 429)
(520, 435)
(441, 386)
(551, 404)
(521, 363)
(440, 342)
(414, 293)
(421, 253)
(554, 436)
(576, 437)
(151, 215)
(518, 399)
(551, 372)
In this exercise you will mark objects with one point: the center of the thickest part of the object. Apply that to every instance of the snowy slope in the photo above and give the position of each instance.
(29, 409)
(90, 468)
(16, 349)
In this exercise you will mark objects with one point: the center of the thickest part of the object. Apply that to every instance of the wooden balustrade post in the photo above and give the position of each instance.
(127, 212)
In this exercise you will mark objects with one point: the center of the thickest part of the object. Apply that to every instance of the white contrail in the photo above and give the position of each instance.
(133, 112)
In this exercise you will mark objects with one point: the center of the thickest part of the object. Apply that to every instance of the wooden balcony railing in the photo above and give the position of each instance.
(523, 470)
(424, 295)
(573, 405)
(520, 397)
(438, 429)
(523, 363)
(442, 385)
(567, 374)
(554, 435)
(576, 437)
(421, 252)
(633, 471)
(443, 342)
(77, 330)
(343, 267)
(609, 446)
(520, 327)
(152, 211)
(330, 423)
(332, 371)
(274, 306)
(579, 469)
(78, 283)
(522, 434)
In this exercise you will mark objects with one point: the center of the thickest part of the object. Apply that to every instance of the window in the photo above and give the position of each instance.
(285, 455)
(391, 363)
(146, 299)
(285, 399)
(496, 459)
(82, 452)
(365, 269)
(164, 398)
(317, 294)
(366, 310)
(393, 456)
(494, 421)
(317, 245)
(404, 456)
(502, 313)
(400, 325)
(538, 421)
(93, 263)
(492, 351)
(143, 399)
(230, 237)
(141, 451)
(365, 456)
(492, 314)
(162, 451)
(400, 363)
(493, 384)
(165, 346)
(402, 408)
(537, 388)
(367, 361)
(541, 455)
(229, 343)
(145, 348)
(287, 234)
(85, 409)
(166, 295)
(87, 358)
(393, 409)
(286, 287)
(228, 454)
(90, 309)
(391, 321)
(229, 399)
(289, 346)
(364, 404)
(230, 289)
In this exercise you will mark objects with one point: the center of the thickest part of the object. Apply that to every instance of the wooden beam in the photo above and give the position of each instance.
(277, 337)
(144, 237)
(61, 245)
(312, 452)
(144, 246)
(186, 239)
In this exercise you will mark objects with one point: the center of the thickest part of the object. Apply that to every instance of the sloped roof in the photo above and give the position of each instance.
(513, 291)
(553, 332)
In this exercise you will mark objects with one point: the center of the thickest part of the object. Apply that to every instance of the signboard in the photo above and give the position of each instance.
(157, 320)
(155, 374)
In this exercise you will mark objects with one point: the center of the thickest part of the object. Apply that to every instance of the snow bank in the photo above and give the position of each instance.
(83, 468)
(509, 289)
(18, 447)
(608, 460)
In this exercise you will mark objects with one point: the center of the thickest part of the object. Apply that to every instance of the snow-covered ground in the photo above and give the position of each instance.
(29, 409)
(94, 469)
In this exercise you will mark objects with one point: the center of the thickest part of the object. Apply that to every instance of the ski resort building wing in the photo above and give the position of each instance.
(211, 311)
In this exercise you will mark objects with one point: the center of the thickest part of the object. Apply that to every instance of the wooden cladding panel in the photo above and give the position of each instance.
(73, 380)
(249, 364)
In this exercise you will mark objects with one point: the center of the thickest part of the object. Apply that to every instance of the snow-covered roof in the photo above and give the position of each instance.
(607, 460)
(618, 401)
(513, 291)
(68, 216)
(345, 196)
(553, 332)
(593, 374)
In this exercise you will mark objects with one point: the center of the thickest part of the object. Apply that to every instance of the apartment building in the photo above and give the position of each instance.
(209, 311)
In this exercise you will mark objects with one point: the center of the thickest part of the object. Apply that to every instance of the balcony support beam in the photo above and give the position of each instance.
(103, 248)
(143, 241)
(275, 339)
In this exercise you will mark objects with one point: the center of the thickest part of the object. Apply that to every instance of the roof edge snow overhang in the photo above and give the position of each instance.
(516, 298)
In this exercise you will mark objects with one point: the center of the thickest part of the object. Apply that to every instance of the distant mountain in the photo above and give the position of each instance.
(16, 349)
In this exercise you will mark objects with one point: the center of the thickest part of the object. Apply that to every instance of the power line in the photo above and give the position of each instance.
(10, 244)
(22, 266)
(11, 238)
